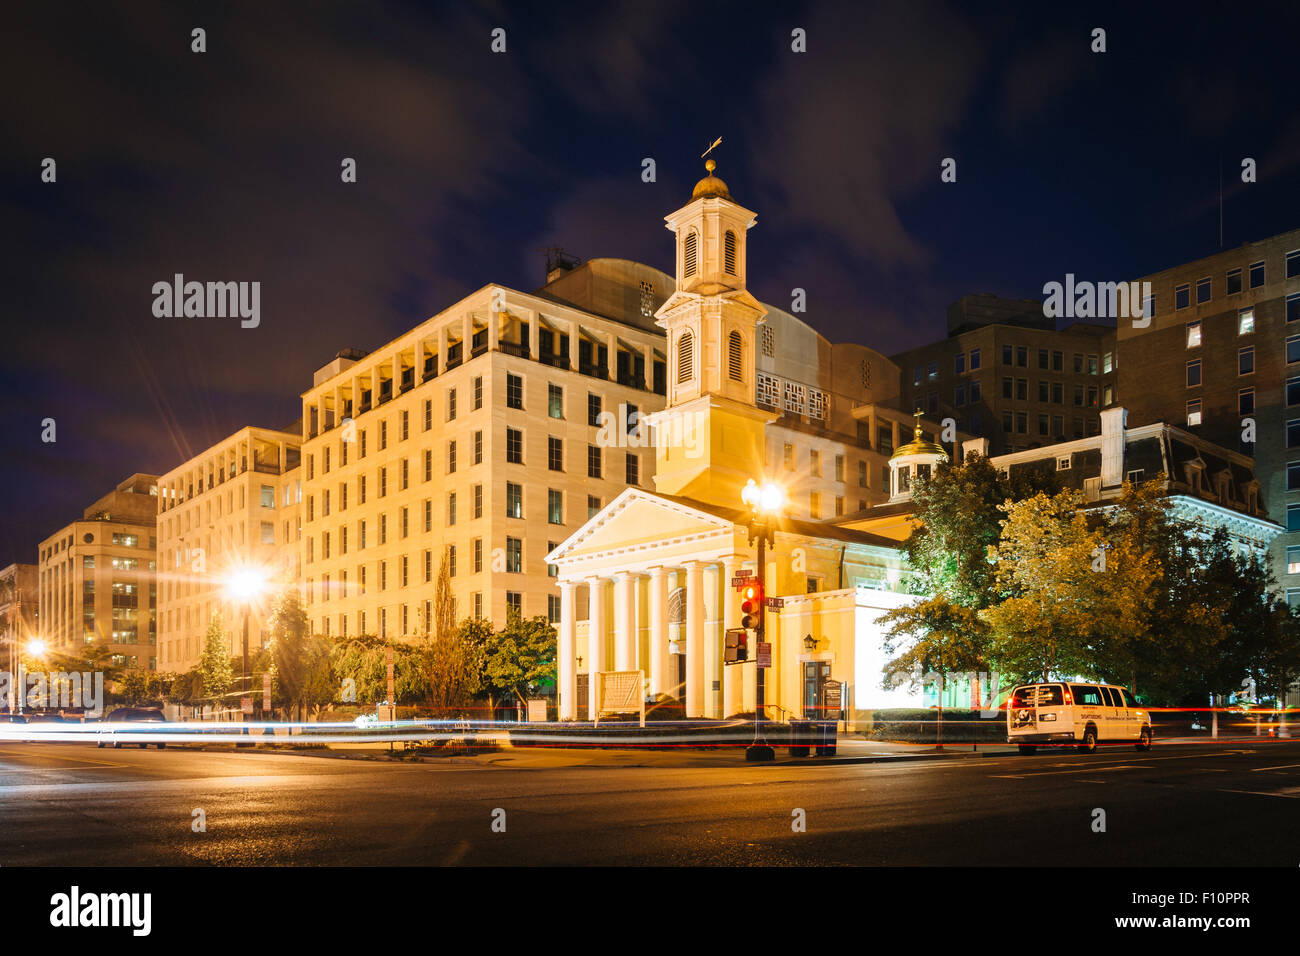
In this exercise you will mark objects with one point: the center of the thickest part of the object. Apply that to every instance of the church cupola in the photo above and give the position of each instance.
(917, 459)
(711, 232)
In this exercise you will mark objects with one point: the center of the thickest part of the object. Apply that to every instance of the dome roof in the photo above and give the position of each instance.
(919, 445)
(711, 185)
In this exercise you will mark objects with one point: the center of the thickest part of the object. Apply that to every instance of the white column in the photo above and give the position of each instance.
(568, 664)
(534, 327)
(732, 675)
(658, 599)
(624, 621)
(694, 639)
(595, 638)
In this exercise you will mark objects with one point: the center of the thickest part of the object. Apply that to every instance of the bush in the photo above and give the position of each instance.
(920, 726)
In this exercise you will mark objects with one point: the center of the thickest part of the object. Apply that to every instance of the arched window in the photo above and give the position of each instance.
(735, 351)
(691, 254)
(686, 357)
(729, 252)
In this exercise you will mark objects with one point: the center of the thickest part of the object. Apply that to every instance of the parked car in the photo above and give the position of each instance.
(1079, 714)
(132, 715)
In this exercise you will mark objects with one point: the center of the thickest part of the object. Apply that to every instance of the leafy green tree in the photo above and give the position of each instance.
(520, 658)
(1078, 588)
(215, 669)
(451, 662)
(301, 660)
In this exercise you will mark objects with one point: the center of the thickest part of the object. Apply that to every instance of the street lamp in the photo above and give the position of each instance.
(765, 503)
(35, 647)
(244, 585)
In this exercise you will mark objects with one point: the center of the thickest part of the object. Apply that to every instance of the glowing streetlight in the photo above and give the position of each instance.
(244, 585)
(36, 647)
(765, 503)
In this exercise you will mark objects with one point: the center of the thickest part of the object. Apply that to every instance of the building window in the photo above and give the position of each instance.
(686, 357)
(959, 363)
(1008, 354)
(554, 506)
(514, 391)
(1234, 281)
(690, 253)
(1256, 274)
(1193, 373)
(451, 509)
(974, 360)
(1293, 307)
(554, 453)
(593, 410)
(428, 414)
(735, 355)
(1245, 321)
(769, 340)
(1202, 291)
(633, 469)
(1246, 360)
(478, 392)
(1292, 349)
(1293, 433)
(478, 501)
(514, 555)
(1293, 391)
(1063, 463)
(555, 400)
(1182, 296)
(428, 467)
(1292, 524)
(514, 446)
(593, 461)
(1193, 334)
(451, 463)
(1293, 560)
(478, 447)
(1293, 476)
(1292, 264)
(478, 555)
(1194, 412)
(593, 506)
(514, 500)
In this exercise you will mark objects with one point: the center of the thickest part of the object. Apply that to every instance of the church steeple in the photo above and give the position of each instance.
(711, 323)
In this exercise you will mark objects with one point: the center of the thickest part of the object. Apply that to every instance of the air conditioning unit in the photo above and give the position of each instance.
(1092, 489)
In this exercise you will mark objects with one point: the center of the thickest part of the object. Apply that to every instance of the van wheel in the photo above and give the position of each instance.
(117, 745)
(1089, 744)
(1028, 749)
(1144, 742)
(161, 746)
(100, 744)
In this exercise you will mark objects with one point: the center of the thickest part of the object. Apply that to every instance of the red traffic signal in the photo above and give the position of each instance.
(752, 607)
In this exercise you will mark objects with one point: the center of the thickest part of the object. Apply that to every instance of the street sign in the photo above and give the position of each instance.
(743, 580)
(776, 603)
(764, 654)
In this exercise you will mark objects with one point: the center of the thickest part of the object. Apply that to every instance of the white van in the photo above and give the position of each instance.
(1079, 714)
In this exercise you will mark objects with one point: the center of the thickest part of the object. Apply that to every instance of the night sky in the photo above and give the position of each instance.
(225, 165)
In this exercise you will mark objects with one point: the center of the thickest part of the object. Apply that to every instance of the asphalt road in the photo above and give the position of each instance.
(74, 805)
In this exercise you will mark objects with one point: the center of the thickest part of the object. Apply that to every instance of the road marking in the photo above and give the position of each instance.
(1285, 766)
(1293, 793)
(50, 756)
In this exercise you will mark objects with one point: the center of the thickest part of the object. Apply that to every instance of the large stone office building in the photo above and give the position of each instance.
(236, 507)
(96, 578)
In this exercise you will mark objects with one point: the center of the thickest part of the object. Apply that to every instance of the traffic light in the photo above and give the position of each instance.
(736, 649)
(752, 607)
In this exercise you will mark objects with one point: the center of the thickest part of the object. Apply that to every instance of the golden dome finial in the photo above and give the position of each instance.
(918, 435)
(710, 165)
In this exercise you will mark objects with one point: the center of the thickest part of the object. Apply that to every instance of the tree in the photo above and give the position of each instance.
(1078, 588)
(933, 635)
(301, 659)
(215, 669)
(451, 662)
(519, 658)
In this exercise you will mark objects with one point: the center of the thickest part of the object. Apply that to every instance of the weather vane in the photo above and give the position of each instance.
(710, 149)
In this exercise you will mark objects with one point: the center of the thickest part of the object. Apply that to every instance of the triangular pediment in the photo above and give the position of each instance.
(637, 520)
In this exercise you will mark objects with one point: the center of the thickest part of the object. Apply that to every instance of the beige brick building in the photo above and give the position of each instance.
(96, 577)
(237, 505)
(492, 430)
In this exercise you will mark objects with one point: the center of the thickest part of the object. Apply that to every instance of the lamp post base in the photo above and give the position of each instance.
(759, 751)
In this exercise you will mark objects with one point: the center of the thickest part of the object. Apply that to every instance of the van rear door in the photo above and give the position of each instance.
(1037, 709)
